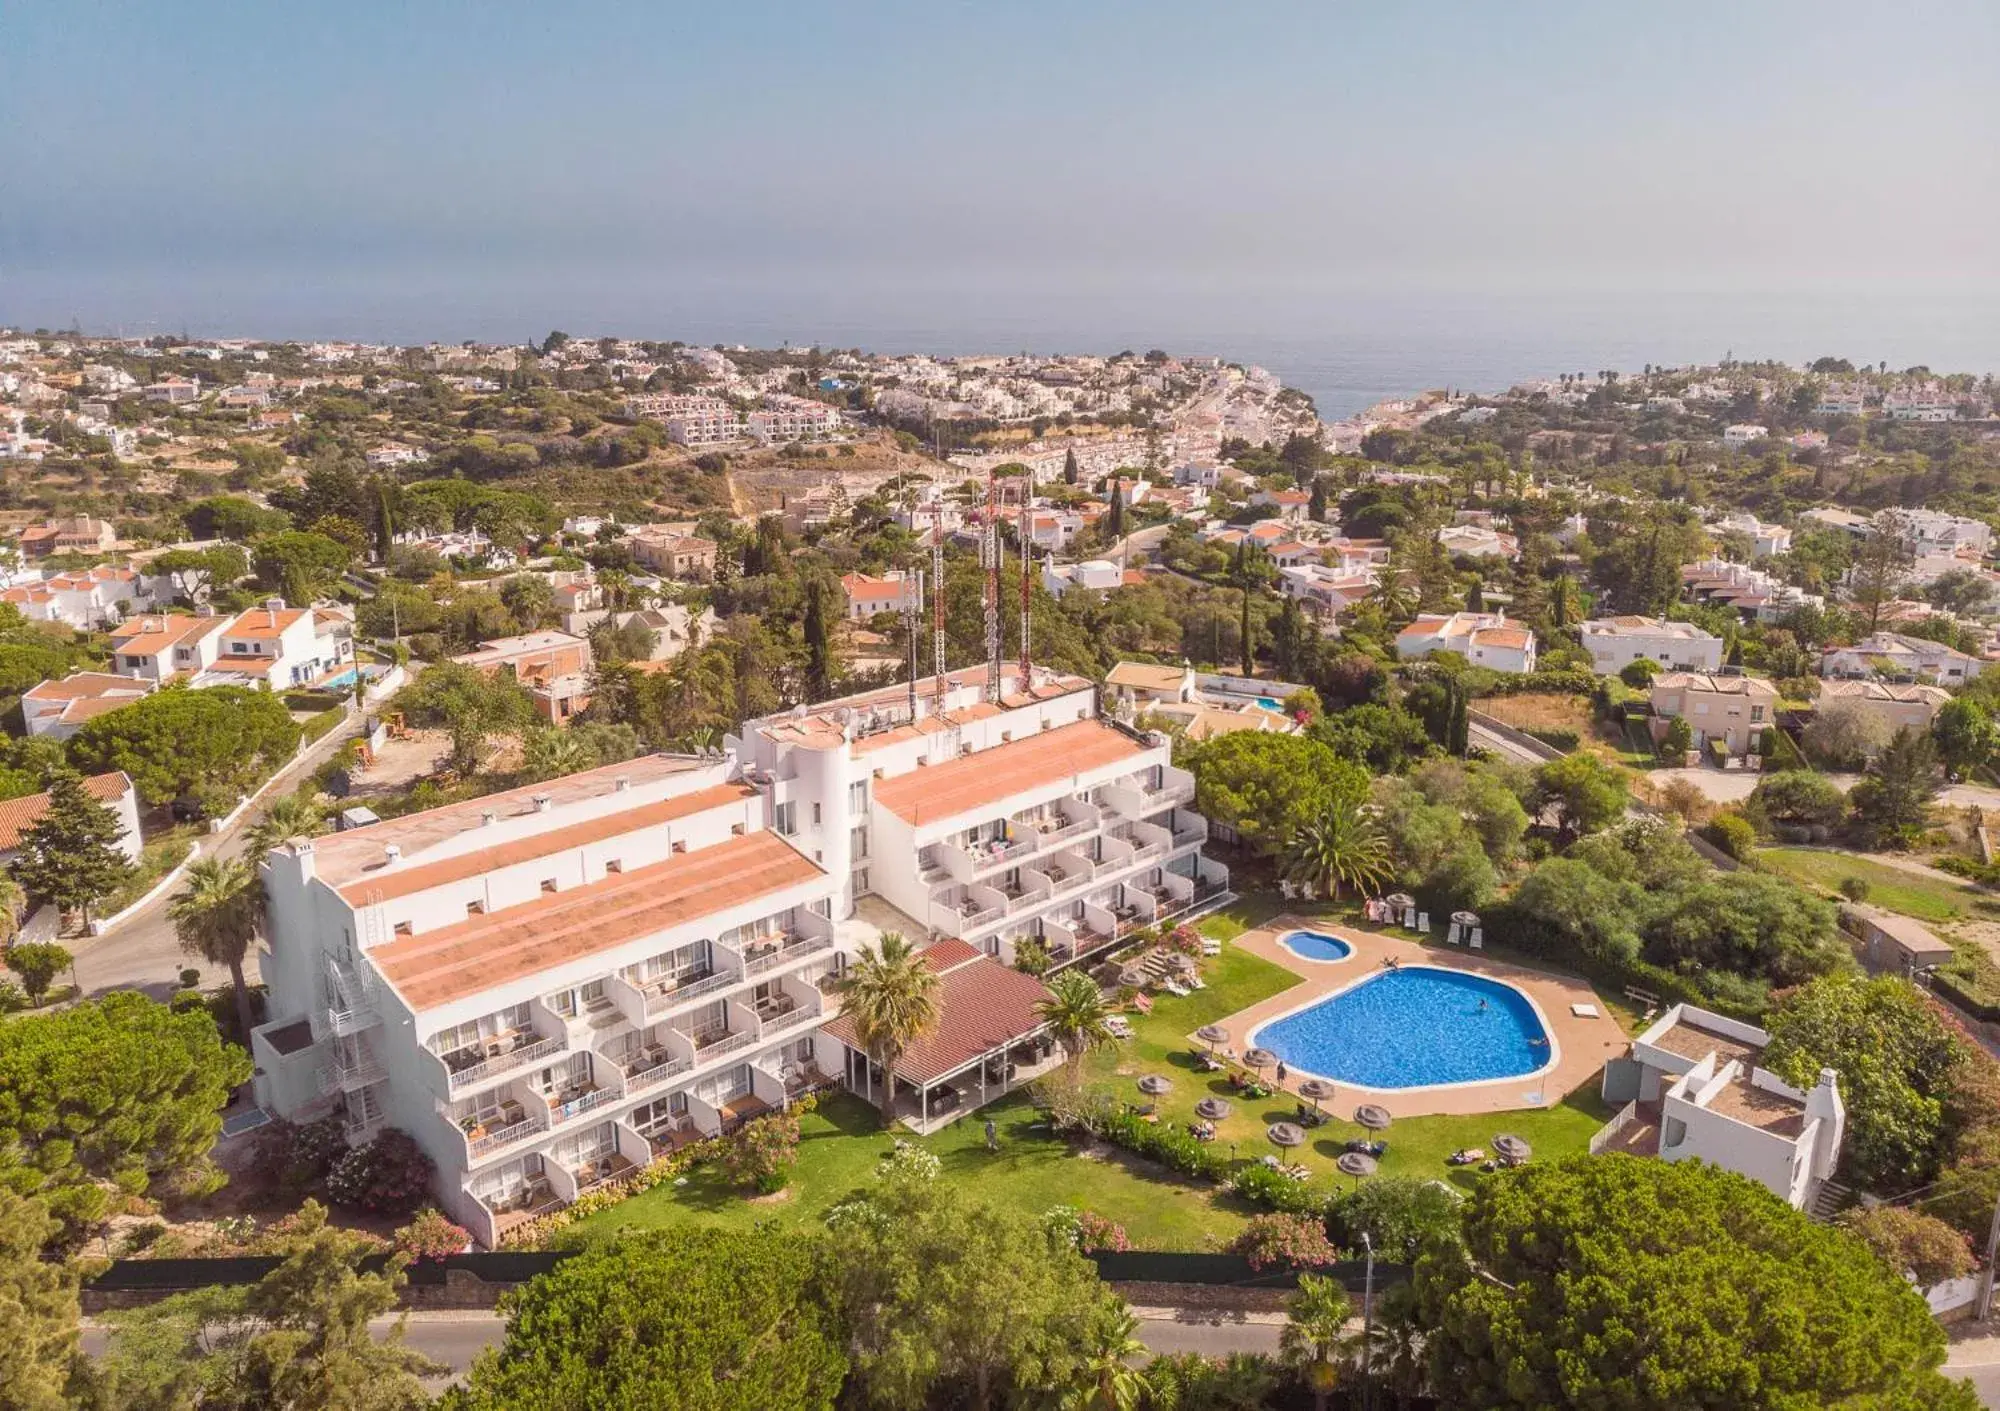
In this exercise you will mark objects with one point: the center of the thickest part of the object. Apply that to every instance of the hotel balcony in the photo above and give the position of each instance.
(1026, 889)
(1068, 869)
(656, 1059)
(956, 909)
(1148, 792)
(497, 1126)
(667, 1136)
(497, 1055)
(645, 1002)
(505, 1208)
(776, 952)
(1071, 818)
(738, 1032)
(1188, 827)
(578, 1167)
(795, 1003)
(1148, 840)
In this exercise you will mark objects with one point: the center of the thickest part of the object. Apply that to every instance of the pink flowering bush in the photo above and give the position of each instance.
(1184, 939)
(1097, 1235)
(1296, 1241)
(431, 1235)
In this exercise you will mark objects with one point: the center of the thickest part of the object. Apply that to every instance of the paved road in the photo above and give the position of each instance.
(142, 954)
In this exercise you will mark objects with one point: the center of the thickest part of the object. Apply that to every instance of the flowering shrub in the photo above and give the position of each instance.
(1097, 1235)
(432, 1236)
(1298, 1241)
(297, 1157)
(762, 1153)
(1272, 1189)
(389, 1176)
(909, 1160)
(1184, 939)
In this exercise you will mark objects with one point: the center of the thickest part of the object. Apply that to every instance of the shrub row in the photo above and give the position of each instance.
(1554, 736)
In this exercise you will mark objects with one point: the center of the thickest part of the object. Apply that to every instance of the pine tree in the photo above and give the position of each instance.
(819, 643)
(1317, 507)
(1070, 471)
(69, 856)
(1114, 522)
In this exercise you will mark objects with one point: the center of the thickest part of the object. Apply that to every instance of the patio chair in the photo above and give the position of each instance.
(1285, 888)
(1308, 892)
(1175, 988)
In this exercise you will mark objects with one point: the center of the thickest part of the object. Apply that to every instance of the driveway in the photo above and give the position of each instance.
(142, 953)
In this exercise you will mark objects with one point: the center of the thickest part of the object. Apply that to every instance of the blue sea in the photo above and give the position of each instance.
(1347, 350)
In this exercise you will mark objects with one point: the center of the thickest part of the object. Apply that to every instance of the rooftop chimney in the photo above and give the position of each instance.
(543, 803)
(621, 783)
(488, 818)
(391, 854)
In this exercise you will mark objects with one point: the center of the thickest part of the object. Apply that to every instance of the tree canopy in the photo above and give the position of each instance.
(214, 745)
(119, 1091)
(1624, 1284)
(699, 1320)
(1267, 786)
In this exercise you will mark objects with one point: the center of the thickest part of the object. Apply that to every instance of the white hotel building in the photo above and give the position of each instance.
(549, 987)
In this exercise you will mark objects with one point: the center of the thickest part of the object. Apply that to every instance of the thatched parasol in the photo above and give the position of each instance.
(1355, 1163)
(1212, 1109)
(1153, 1085)
(1512, 1147)
(1212, 1034)
(1287, 1134)
(1375, 1119)
(1315, 1089)
(1260, 1058)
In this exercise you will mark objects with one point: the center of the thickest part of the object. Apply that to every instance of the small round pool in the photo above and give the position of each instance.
(1415, 1027)
(1315, 945)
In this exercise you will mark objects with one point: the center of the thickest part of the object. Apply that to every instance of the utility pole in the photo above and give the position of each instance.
(1985, 1308)
(1368, 1324)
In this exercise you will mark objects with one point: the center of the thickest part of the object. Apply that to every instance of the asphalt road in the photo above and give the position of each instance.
(142, 954)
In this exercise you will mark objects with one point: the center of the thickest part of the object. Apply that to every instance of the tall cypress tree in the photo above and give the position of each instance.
(818, 630)
(1114, 522)
(1317, 508)
(69, 856)
(1070, 471)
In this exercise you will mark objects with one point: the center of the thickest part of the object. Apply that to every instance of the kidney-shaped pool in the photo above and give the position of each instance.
(1413, 1027)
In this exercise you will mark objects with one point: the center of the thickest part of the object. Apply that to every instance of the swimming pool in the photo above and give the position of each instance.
(1315, 945)
(1270, 703)
(1416, 1027)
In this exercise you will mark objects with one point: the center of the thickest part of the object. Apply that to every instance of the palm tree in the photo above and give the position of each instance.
(216, 915)
(551, 753)
(891, 996)
(1316, 1342)
(1107, 1380)
(1078, 1012)
(1396, 1356)
(1342, 847)
(289, 816)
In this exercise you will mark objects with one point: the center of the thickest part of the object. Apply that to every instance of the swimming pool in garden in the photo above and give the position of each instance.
(1315, 945)
(1414, 1027)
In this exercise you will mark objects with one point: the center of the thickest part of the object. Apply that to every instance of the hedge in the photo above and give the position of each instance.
(1557, 737)
(316, 728)
(1573, 682)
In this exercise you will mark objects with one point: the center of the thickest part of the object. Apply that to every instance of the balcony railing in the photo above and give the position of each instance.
(791, 950)
(347, 1074)
(723, 1041)
(506, 1062)
(575, 1107)
(489, 1142)
(650, 1069)
(665, 994)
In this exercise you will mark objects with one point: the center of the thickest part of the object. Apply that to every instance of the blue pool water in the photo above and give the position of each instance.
(1270, 703)
(1412, 1028)
(1315, 945)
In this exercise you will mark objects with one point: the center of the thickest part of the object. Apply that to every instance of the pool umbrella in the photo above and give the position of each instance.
(1212, 1034)
(1355, 1163)
(1132, 977)
(1512, 1147)
(1212, 1109)
(1375, 1119)
(1186, 962)
(1286, 1134)
(1153, 1085)
(1315, 1089)
(1260, 1058)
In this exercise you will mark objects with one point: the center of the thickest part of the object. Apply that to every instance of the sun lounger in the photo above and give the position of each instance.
(1175, 988)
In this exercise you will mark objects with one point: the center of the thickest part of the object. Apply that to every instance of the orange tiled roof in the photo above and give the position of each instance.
(19, 815)
(982, 1006)
(483, 952)
(988, 776)
(403, 881)
(85, 684)
(263, 622)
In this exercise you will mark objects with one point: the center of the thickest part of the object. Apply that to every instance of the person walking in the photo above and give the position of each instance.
(1281, 1072)
(992, 1136)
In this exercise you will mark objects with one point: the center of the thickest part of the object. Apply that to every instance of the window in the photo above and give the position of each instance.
(548, 884)
(857, 796)
(857, 842)
(815, 815)
(861, 881)
(613, 867)
(1756, 713)
(785, 819)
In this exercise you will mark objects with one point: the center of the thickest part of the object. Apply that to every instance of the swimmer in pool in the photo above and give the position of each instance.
(1482, 1006)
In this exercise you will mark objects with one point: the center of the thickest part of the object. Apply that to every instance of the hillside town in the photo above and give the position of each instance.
(544, 793)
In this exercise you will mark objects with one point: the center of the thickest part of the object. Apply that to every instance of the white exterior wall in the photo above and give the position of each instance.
(1612, 652)
(1782, 1165)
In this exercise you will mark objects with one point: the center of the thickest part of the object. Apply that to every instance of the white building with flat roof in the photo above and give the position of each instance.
(549, 987)
(1485, 639)
(1693, 1090)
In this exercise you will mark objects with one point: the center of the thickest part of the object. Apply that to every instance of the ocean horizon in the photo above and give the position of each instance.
(1346, 351)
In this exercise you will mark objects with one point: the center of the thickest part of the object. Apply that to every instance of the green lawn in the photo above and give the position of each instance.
(842, 1142)
(1911, 893)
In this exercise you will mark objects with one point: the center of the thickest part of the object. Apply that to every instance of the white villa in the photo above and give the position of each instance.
(1691, 1088)
(1614, 643)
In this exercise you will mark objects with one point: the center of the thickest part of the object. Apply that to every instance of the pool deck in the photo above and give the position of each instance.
(1582, 1044)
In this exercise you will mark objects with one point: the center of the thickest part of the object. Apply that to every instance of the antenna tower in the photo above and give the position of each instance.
(913, 620)
(937, 611)
(1027, 581)
(990, 539)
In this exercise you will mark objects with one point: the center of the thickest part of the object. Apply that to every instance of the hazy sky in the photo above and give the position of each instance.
(271, 162)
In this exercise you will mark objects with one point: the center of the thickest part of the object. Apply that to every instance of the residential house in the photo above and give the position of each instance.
(113, 790)
(1897, 654)
(391, 454)
(174, 391)
(1898, 706)
(1732, 710)
(1752, 593)
(686, 557)
(77, 534)
(158, 647)
(59, 709)
(1744, 434)
(1765, 539)
(85, 598)
(1692, 1089)
(865, 596)
(553, 666)
(1133, 687)
(1614, 643)
(1092, 575)
(1478, 542)
(783, 420)
(1482, 638)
